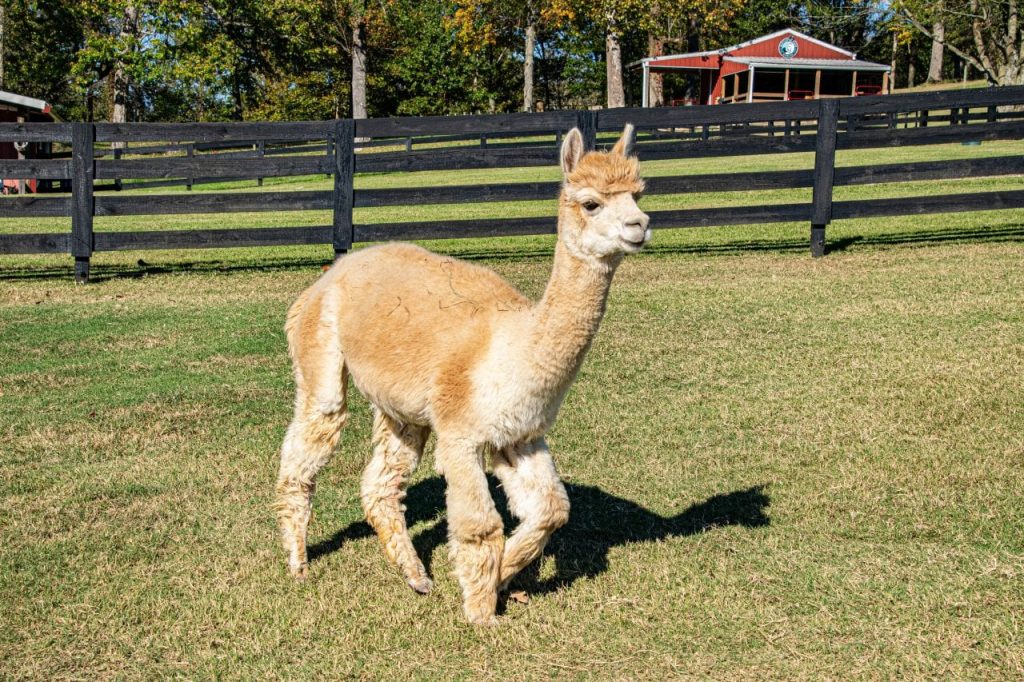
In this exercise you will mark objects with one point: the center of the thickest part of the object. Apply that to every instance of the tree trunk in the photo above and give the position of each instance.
(656, 48)
(693, 29)
(892, 65)
(236, 94)
(613, 67)
(938, 43)
(528, 48)
(3, 30)
(129, 30)
(910, 65)
(358, 72)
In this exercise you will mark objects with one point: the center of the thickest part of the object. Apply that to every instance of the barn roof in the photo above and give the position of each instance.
(710, 59)
(795, 63)
(39, 105)
(783, 32)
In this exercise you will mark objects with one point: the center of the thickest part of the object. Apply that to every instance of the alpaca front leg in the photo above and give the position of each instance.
(475, 534)
(308, 446)
(397, 451)
(536, 497)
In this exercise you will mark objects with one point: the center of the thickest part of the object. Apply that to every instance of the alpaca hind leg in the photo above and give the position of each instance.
(476, 537)
(536, 497)
(308, 446)
(397, 450)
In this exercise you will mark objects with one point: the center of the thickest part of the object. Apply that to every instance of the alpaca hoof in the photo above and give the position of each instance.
(484, 621)
(421, 585)
(298, 572)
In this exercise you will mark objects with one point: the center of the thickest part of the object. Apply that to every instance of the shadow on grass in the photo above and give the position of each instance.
(1005, 233)
(598, 522)
(106, 273)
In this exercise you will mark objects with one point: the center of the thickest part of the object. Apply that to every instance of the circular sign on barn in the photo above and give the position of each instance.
(788, 48)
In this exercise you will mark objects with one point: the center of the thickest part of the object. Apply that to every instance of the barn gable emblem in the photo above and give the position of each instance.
(788, 48)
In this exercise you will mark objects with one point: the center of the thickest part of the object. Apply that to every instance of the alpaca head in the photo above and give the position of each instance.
(600, 190)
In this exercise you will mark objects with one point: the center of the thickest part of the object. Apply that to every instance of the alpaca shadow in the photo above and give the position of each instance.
(598, 522)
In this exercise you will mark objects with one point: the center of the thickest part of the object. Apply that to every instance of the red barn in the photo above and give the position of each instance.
(781, 66)
(19, 109)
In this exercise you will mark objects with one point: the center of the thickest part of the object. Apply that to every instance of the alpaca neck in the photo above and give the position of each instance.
(567, 317)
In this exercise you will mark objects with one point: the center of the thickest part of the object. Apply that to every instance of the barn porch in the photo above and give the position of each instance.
(785, 65)
(774, 80)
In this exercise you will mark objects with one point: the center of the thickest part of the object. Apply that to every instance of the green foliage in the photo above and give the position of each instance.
(572, 73)
(286, 59)
(41, 39)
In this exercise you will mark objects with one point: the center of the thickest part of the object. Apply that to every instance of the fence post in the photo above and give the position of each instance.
(190, 152)
(344, 169)
(824, 173)
(261, 151)
(586, 121)
(117, 181)
(82, 167)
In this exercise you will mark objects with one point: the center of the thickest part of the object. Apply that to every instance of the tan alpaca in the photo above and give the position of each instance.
(438, 344)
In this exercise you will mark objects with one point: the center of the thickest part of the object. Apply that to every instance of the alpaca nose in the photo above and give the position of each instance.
(638, 221)
(634, 228)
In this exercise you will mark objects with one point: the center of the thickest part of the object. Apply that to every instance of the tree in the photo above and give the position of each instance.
(688, 24)
(47, 36)
(615, 19)
(938, 40)
(487, 23)
(993, 44)
(128, 39)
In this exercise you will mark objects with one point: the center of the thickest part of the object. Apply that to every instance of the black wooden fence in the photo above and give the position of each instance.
(345, 147)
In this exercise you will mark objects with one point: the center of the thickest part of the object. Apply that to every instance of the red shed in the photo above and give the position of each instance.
(19, 109)
(780, 66)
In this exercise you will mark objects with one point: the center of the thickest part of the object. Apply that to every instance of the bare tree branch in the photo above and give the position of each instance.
(979, 42)
(952, 48)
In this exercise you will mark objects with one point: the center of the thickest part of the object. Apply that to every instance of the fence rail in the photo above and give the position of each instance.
(141, 154)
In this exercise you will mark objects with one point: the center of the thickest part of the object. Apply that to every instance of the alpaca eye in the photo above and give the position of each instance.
(591, 206)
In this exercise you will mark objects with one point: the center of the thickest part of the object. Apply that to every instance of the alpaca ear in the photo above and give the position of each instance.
(572, 150)
(625, 144)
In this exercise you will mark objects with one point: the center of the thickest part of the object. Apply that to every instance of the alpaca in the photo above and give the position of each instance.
(438, 344)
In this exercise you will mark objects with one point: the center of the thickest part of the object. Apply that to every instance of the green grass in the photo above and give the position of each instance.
(779, 467)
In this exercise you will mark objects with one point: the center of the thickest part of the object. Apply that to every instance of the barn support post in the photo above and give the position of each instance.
(645, 100)
(344, 170)
(824, 173)
(586, 121)
(82, 174)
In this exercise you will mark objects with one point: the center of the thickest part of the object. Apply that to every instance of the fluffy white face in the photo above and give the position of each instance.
(612, 223)
(602, 189)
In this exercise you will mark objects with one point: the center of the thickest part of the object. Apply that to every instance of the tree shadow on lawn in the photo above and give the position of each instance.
(598, 522)
(1005, 233)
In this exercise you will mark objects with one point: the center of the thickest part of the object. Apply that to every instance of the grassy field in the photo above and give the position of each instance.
(779, 467)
